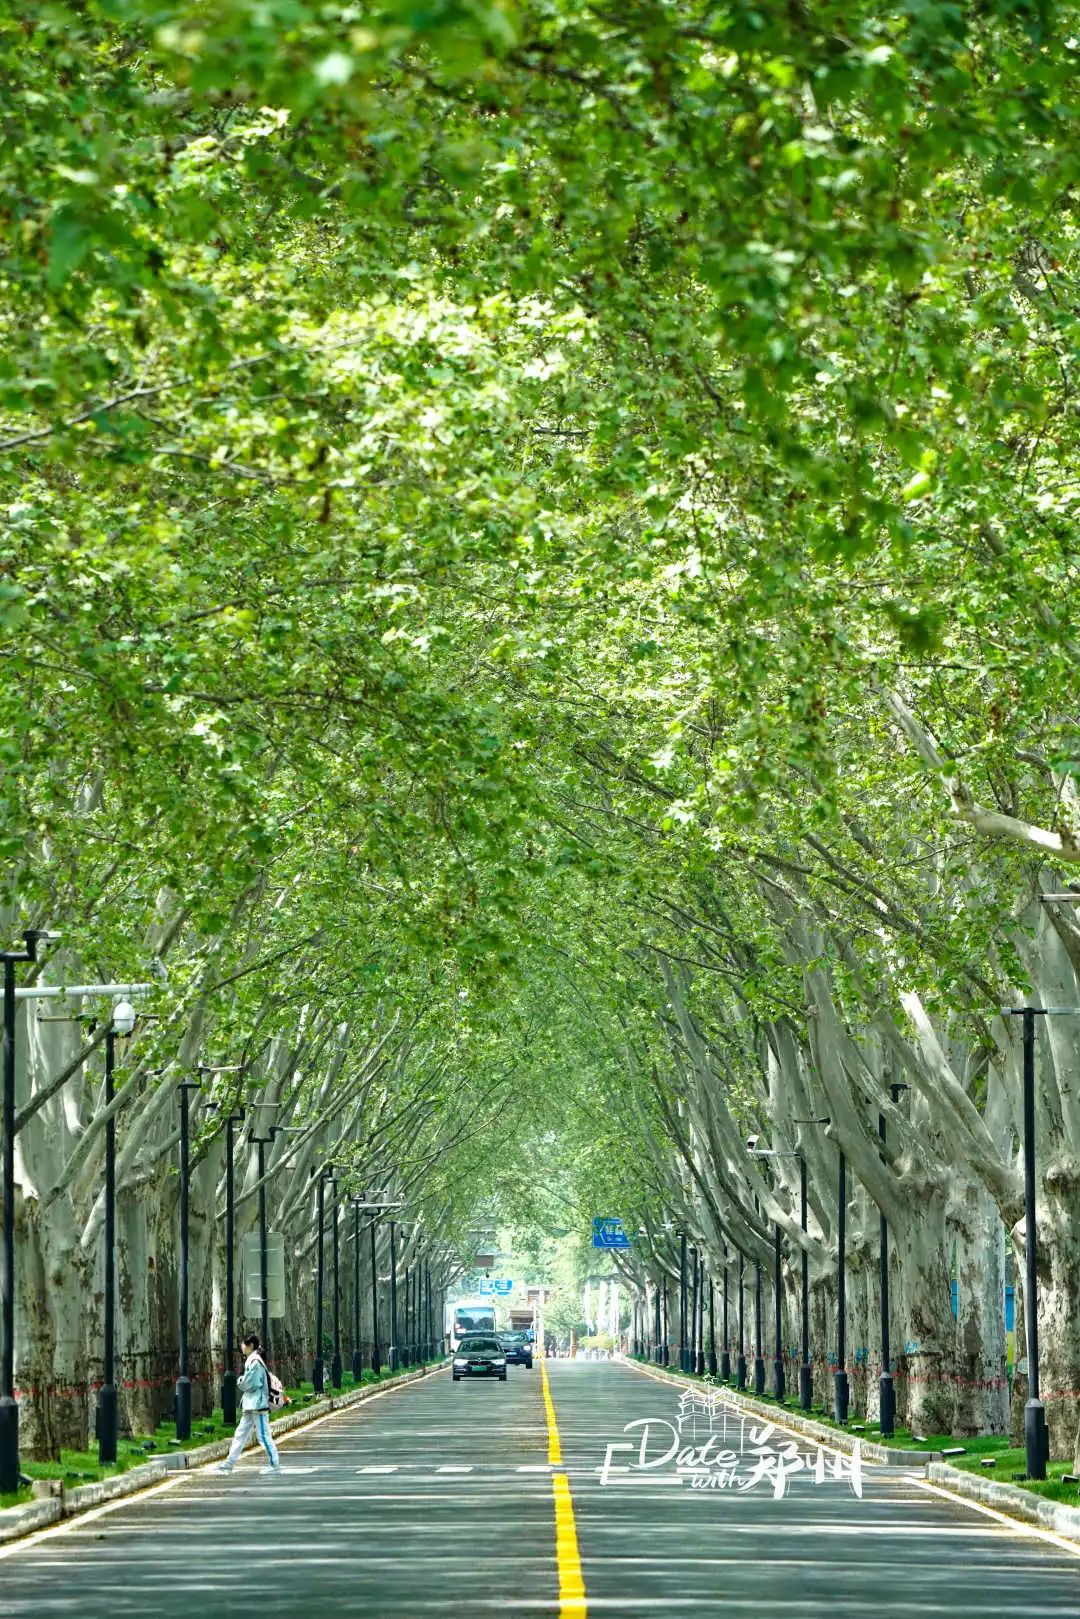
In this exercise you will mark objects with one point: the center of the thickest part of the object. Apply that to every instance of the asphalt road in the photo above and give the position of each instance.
(437, 1499)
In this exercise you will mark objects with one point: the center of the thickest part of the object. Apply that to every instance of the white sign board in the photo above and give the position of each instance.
(275, 1274)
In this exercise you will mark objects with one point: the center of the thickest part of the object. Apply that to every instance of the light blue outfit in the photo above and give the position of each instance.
(254, 1386)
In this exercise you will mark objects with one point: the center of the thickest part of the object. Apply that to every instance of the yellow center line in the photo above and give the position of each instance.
(567, 1556)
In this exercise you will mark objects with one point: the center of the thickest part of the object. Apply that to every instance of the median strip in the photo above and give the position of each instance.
(567, 1555)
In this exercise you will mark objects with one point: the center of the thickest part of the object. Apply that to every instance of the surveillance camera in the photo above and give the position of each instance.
(751, 1143)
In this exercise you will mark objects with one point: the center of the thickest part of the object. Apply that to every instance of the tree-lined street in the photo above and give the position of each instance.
(539, 751)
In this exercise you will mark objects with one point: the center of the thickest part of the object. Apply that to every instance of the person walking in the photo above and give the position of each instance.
(254, 1386)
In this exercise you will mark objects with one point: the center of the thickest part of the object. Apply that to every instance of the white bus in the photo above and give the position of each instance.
(469, 1318)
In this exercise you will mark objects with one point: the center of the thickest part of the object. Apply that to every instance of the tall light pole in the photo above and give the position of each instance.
(684, 1364)
(841, 1390)
(886, 1387)
(725, 1348)
(9, 1408)
(357, 1355)
(779, 1381)
(375, 1205)
(740, 1363)
(183, 1380)
(714, 1365)
(228, 1376)
(806, 1374)
(392, 1354)
(121, 1023)
(1036, 1433)
(318, 1379)
(335, 1361)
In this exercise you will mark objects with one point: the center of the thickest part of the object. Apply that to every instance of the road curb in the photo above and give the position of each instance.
(1009, 1499)
(25, 1520)
(793, 1419)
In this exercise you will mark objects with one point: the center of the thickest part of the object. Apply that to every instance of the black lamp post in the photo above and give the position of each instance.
(1036, 1433)
(121, 1024)
(886, 1388)
(759, 1346)
(725, 1351)
(357, 1356)
(740, 1363)
(779, 1380)
(693, 1308)
(806, 1375)
(318, 1370)
(376, 1363)
(183, 1381)
(261, 1143)
(228, 1378)
(841, 1390)
(700, 1364)
(335, 1362)
(684, 1361)
(392, 1354)
(657, 1331)
(9, 1407)
(714, 1365)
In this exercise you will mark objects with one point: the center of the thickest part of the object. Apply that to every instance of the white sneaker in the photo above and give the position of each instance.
(273, 1471)
(223, 1467)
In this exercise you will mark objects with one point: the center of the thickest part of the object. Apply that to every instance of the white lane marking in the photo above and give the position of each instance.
(380, 1469)
(535, 1467)
(450, 1468)
(1017, 1526)
(80, 1518)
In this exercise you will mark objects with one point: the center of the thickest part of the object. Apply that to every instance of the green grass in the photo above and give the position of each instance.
(1008, 1458)
(77, 1467)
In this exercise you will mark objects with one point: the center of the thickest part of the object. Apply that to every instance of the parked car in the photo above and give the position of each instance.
(479, 1357)
(518, 1347)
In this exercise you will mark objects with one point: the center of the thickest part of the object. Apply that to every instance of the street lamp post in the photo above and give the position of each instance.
(886, 1387)
(261, 1144)
(713, 1363)
(228, 1377)
(392, 1354)
(779, 1381)
(1036, 1433)
(317, 1366)
(357, 1356)
(121, 1023)
(759, 1347)
(9, 1408)
(684, 1364)
(841, 1390)
(335, 1363)
(806, 1374)
(376, 1362)
(183, 1381)
(740, 1362)
(700, 1364)
(657, 1330)
(693, 1310)
(725, 1352)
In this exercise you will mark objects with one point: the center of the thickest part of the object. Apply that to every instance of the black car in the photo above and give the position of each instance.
(518, 1347)
(479, 1357)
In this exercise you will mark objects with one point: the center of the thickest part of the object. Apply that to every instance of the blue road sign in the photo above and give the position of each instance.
(499, 1285)
(608, 1233)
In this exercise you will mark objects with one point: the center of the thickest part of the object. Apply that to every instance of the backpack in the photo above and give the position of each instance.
(275, 1389)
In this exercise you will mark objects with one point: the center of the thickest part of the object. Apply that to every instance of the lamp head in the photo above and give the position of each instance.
(751, 1143)
(123, 1017)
